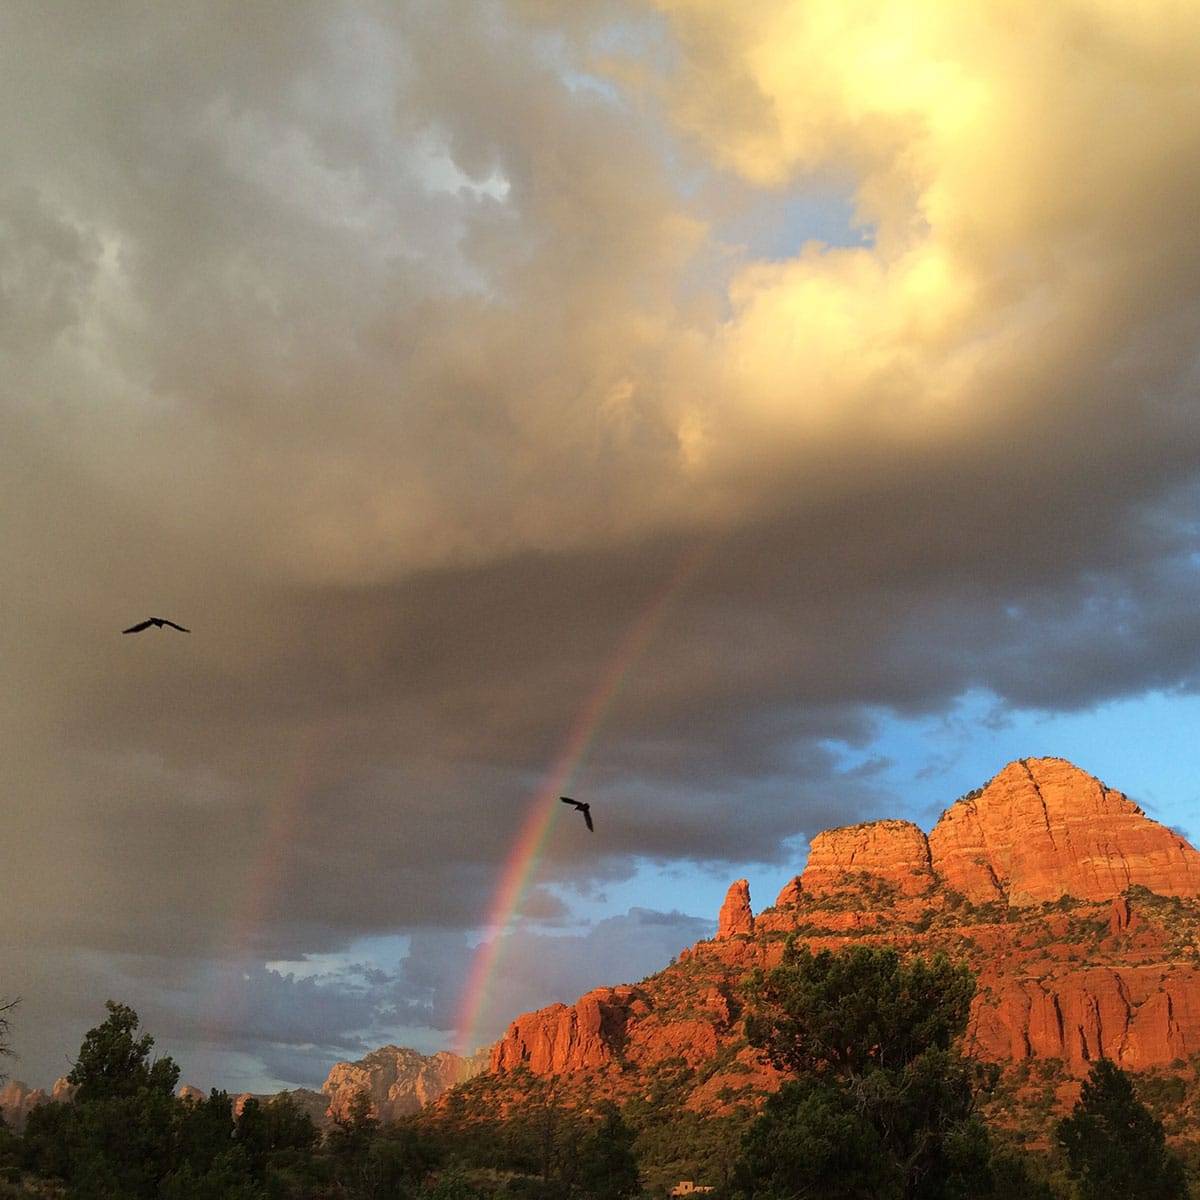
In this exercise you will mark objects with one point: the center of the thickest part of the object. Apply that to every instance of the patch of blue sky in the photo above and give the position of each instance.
(584, 81)
(376, 952)
(694, 890)
(776, 226)
(438, 172)
(1145, 746)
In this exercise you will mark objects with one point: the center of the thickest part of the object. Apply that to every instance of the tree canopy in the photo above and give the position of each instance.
(6, 1006)
(855, 1010)
(880, 1102)
(1115, 1147)
(114, 1062)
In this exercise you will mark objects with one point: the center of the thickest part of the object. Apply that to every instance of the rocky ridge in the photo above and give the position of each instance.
(1078, 913)
(398, 1081)
(18, 1100)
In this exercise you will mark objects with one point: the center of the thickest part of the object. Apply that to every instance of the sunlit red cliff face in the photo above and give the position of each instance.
(1078, 913)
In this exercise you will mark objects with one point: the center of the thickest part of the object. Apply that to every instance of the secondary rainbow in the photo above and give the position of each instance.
(526, 849)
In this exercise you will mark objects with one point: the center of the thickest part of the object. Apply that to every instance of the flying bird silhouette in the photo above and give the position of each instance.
(583, 808)
(159, 621)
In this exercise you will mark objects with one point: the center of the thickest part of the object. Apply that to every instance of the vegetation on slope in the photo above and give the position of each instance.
(879, 1101)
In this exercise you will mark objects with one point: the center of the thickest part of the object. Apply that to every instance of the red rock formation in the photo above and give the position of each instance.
(397, 1080)
(1139, 1017)
(790, 894)
(185, 1091)
(315, 1104)
(735, 916)
(895, 852)
(1043, 828)
(562, 1038)
(17, 1101)
(1069, 966)
(1120, 917)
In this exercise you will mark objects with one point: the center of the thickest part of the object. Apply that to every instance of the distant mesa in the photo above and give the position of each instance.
(18, 1100)
(397, 1080)
(308, 1101)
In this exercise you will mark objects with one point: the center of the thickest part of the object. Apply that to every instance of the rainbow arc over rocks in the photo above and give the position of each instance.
(527, 848)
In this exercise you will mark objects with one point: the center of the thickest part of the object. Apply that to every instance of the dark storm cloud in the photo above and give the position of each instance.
(402, 357)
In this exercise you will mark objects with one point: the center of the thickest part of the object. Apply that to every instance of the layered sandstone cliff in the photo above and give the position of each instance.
(566, 1037)
(315, 1104)
(896, 852)
(1043, 828)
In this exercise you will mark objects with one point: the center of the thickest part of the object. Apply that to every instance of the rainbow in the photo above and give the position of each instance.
(526, 850)
(303, 777)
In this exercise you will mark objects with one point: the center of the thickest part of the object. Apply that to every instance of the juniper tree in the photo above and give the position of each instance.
(1115, 1147)
(879, 1101)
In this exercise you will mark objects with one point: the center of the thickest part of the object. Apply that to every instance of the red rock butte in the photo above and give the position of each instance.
(1043, 828)
(1077, 912)
(896, 851)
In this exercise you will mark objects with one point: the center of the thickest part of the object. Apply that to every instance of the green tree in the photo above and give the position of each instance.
(607, 1166)
(274, 1132)
(45, 1147)
(450, 1184)
(10, 1152)
(813, 1140)
(405, 1157)
(1115, 1148)
(368, 1162)
(355, 1128)
(126, 1136)
(226, 1178)
(882, 1104)
(113, 1062)
(6, 1006)
(1012, 1178)
(121, 1147)
(202, 1129)
(855, 1010)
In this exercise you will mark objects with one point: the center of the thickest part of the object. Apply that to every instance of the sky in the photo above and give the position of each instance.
(751, 418)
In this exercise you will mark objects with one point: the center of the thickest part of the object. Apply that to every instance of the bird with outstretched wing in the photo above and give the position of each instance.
(159, 621)
(586, 809)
